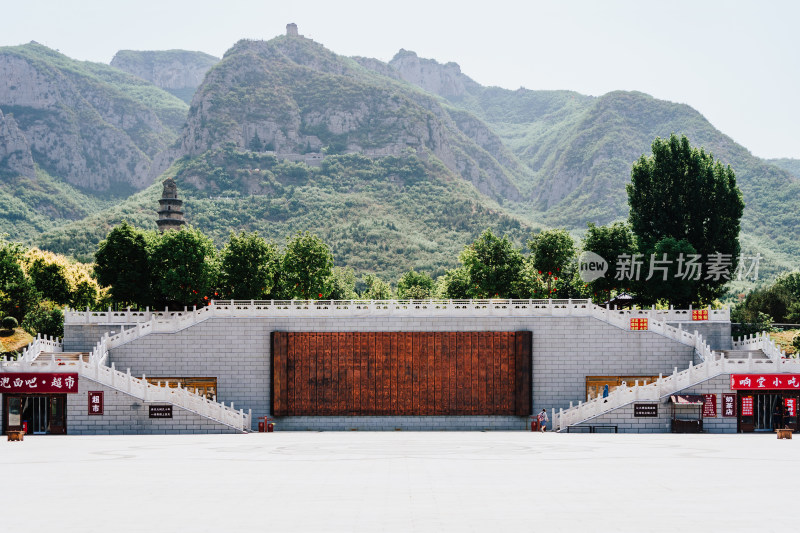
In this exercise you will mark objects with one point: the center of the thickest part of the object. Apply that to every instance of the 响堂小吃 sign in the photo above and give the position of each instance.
(645, 410)
(39, 383)
(160, 411)
(765, 381)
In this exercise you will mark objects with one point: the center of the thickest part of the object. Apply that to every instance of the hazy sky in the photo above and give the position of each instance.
(734, 61)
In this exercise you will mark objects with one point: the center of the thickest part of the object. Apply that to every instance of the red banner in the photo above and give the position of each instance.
(747, 406)
(729, 405)
(709, 405)
(638, 324)
(791, 406)
(764, 381)
(699, 314)
(95, 402)
(39, 383)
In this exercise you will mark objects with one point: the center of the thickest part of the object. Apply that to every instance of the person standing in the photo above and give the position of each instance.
(777, 414)
(542, 418)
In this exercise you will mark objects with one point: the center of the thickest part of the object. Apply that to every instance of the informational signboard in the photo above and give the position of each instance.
(791, 406)
(645, 410)
(39, 383)
(729, 405)
(160, 411)
(95, 402)
(638, 324)
(765, 381)
(699, 314)
(709, 405)
(747, 406)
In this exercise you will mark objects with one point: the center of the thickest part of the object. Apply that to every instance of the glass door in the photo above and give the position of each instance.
(57, 423)
(768, 410)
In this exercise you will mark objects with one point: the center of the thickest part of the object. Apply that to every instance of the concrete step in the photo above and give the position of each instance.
(744, 354)
(63, 356)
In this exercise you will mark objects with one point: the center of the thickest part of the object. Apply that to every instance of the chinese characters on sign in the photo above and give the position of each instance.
(764, 381)
(791, 406)
(729, 405)
(709, 405)
(699, 314)
(747, 406)
(638, 324)
(645, 410)
(39, 383)
(95, 402)
(160, 411)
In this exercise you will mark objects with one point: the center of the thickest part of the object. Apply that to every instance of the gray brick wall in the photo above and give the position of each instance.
(716, 334)
(237, 352)
(84, 337)
(127, 415)
(623, 417)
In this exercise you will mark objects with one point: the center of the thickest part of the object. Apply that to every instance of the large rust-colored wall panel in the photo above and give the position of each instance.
(401, 373)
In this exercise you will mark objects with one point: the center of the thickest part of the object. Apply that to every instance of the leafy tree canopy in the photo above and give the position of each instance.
(306, 268)
(248, 267)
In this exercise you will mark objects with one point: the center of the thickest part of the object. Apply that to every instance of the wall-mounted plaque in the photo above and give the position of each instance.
(95, 402)
(645, 410)
(160, 411)
(709, 405)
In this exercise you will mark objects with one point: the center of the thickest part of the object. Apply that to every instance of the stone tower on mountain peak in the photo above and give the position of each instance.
(291, 30)
(170, 215)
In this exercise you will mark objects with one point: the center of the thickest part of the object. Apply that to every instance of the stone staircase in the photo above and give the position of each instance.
(744, 354)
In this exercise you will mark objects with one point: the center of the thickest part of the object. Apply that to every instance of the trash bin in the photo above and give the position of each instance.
(534, 424)
(270, 427)
(261, 427)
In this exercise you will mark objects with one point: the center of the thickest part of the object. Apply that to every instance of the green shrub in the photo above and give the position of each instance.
(10, 323)
(796, 343)
(46, 318)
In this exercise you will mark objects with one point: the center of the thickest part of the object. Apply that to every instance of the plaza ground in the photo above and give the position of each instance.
(400, 481)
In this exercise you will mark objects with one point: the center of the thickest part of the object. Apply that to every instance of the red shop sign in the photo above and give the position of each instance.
(95, 402)
(791, 406)
(31, 383)
(729, 405)
(709, 405)
(747, 406)
(764, 381)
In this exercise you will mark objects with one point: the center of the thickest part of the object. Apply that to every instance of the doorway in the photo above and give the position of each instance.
(770, 410)
(42, 414)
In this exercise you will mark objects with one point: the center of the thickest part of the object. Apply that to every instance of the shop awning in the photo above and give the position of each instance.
(687, 399)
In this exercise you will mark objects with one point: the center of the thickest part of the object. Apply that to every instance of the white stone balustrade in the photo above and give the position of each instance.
(362, 308)
(763, 342)
(38, 345)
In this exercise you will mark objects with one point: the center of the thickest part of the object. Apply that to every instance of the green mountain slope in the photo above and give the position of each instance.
(87, 124)
(581, 149)
(383, 215)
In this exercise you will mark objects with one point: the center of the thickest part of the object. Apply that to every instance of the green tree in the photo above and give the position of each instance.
(248, 267)
(668, 278)
(306, 268)
(343, 285)
(609, 242)
(414, 285)
(50, 280)
(122, 263)
(455, 284)
(376, 288)
(493, 266)
(9, 323)
(552, 251)
(17, 294)
(183, 265)
(681, 192)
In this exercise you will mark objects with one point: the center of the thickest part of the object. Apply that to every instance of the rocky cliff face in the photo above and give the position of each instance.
(442, 79)
(78, 126)
(290, 95)
(15, 154)
(178, 71)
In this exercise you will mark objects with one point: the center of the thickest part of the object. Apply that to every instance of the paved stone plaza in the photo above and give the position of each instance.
(356, 481)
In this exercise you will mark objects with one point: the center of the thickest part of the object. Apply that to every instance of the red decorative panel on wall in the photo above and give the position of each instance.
(401, 373)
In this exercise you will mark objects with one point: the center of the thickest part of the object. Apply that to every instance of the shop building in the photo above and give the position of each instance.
(395, 365)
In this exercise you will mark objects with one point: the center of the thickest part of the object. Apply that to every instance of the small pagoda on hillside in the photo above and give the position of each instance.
(170, 214)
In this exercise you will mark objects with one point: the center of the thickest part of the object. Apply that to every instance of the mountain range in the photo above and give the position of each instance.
(396, 165)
